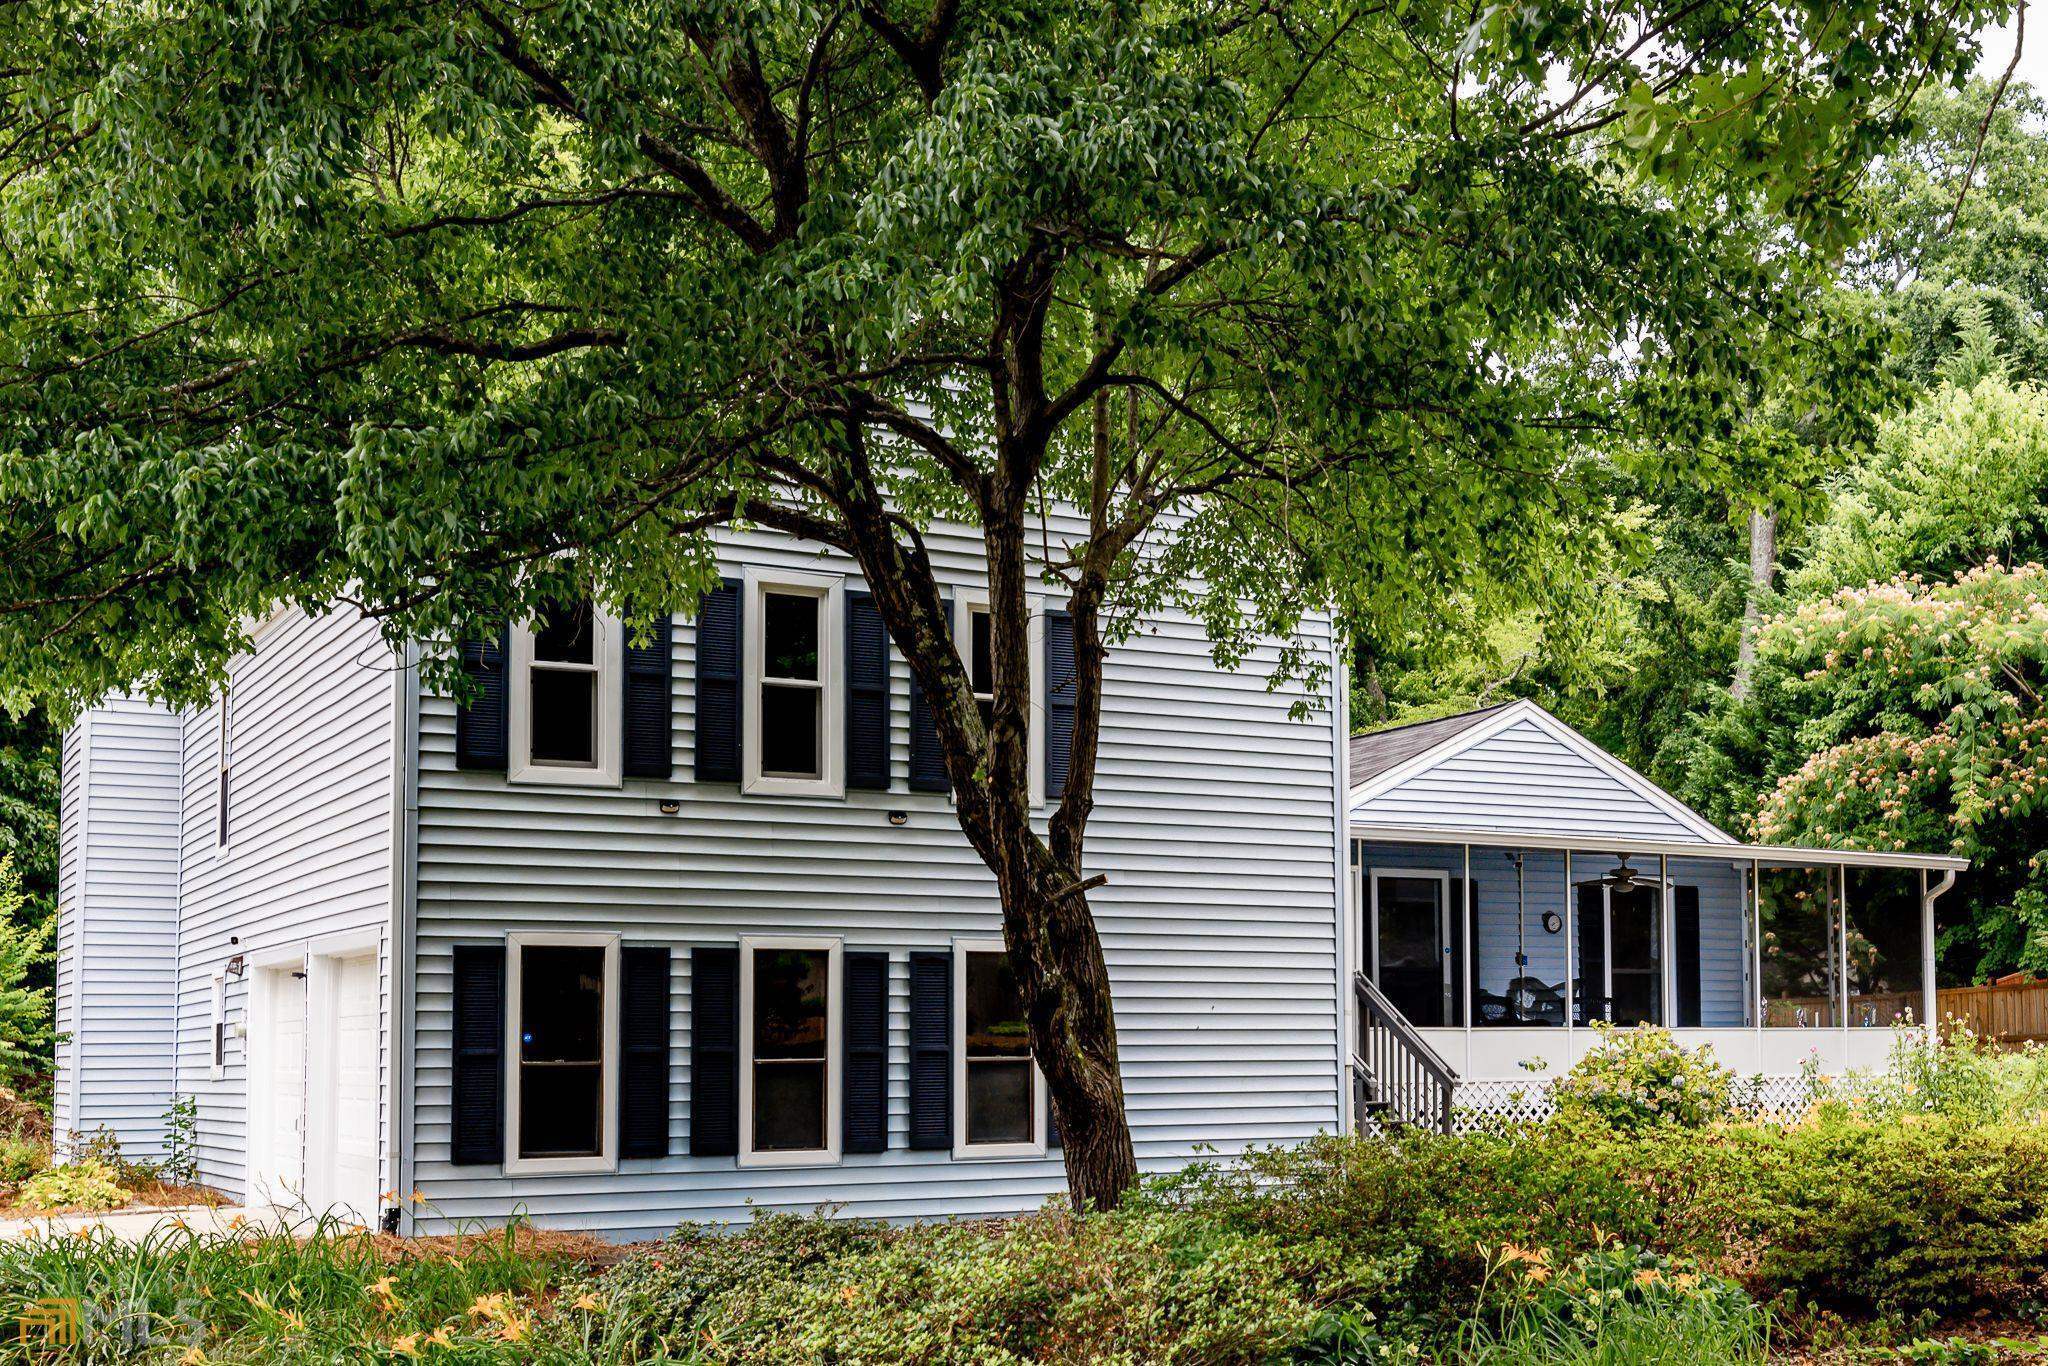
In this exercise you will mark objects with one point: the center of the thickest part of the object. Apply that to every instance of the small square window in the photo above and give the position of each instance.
(790, 636)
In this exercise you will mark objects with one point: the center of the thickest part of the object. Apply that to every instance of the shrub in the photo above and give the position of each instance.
(21, 1158)
(1906, 1216)
(1641, 1076)
(87, 1185)
(1142, 1285)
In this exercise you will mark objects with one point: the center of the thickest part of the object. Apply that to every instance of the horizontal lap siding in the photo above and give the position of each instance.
(1214, 822)
(118, 942)
(310, 849)
(1523, 780)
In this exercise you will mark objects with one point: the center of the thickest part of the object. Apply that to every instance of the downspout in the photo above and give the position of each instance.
(1930, 995)
(404, 922)
(1340, 767)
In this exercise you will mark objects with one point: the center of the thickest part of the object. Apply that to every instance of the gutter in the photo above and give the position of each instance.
(1930, 993)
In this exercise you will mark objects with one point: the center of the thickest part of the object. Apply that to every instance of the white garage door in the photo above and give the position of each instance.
(354, 1099)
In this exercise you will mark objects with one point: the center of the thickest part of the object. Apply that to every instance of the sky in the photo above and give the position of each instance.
(2033, 67)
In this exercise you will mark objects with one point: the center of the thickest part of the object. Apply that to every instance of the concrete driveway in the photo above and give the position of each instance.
(132, 1225)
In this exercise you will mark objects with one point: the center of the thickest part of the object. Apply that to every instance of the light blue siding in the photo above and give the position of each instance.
(118, 925)
(1525, 780)
(310, 841)
(1217, 821)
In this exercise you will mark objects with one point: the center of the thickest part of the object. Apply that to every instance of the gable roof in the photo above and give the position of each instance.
(1513, 770)
(1374, 753)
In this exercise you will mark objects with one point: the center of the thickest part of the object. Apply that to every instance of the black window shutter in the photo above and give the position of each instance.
(482, 727)
(1052, 1126)
(719, 703)
(479, 1090)
(1592, 993)
(646, 701)
(1060, 694)
(867, 694)
(927, 758)
(864, 1108)
(931, 1050)
(714, 1052)
(643, 1052)
(1685, 908)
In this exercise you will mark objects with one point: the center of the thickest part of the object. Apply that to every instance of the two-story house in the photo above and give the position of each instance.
(683, 927)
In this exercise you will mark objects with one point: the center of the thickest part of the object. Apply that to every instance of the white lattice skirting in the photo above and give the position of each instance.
(1479, 1104)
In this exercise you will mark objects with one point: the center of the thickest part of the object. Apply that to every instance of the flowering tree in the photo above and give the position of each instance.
(1920, 706)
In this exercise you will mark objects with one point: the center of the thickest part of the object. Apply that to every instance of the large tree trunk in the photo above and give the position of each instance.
(1763, 564)
(1048, 928)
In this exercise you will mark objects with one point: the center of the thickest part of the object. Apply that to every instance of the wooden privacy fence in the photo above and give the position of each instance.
(2011, 1010)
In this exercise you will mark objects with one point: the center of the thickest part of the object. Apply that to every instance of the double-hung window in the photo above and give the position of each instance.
(789, 1051)
(795, 688)
(998, 1093)
(562, 1054)
(564, 724)
(972, 628)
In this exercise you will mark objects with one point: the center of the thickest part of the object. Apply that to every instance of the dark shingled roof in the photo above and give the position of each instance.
(1381, 750)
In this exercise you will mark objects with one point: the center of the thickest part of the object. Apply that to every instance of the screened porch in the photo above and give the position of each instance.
(1504, 956)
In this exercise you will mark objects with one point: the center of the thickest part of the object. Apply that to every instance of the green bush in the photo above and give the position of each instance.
(21, 1158)
(1145, 1285)
(1641, 1076)
(87, 1185)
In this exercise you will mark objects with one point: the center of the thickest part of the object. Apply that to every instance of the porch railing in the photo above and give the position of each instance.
(1402, 1080)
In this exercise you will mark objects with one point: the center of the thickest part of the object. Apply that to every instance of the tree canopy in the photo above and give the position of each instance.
(444, 311)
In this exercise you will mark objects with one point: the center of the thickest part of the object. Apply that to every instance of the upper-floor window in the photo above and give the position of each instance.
(564, 720)
(561, 1013)
(973, 629)
(789, 1050)
(998, 1092)
(794, 685)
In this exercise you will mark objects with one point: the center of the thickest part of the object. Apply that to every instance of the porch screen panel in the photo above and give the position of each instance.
(1882, 910)
(1519, 969)
(1801, 973)
(1721, 891)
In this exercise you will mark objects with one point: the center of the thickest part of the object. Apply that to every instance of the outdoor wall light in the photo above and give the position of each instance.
(236, 966)
(899, 818)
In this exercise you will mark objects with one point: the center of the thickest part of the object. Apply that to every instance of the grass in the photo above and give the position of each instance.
(1692, 1333)
(331, 1294)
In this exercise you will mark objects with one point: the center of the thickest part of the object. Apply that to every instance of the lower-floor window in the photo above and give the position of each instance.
(789, 1043)
(562, 1014)
(997, 1082)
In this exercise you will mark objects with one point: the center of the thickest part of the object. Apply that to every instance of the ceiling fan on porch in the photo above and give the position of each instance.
(1620, 878)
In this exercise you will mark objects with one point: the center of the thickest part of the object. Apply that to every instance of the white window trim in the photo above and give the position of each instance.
(829, 589)
(965, 605)
(834, 947)
(607, 1160)
(604, 652)
(963, 1151)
